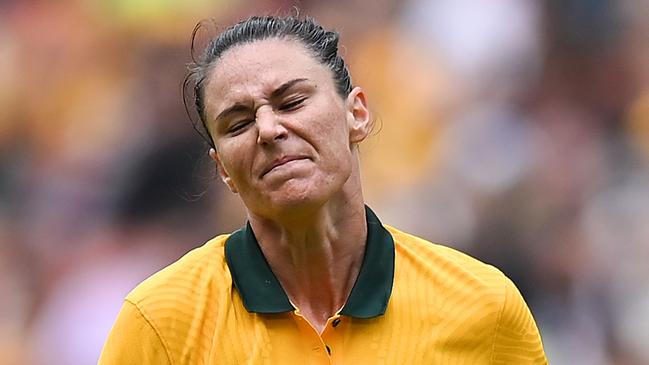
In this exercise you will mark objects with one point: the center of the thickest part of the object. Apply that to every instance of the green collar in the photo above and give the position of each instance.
(262, 293)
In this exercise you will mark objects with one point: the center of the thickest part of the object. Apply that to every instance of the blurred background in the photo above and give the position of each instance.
(514, 130)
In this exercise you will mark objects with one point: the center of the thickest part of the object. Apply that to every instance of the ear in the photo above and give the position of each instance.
(224, 174)
(358, 116)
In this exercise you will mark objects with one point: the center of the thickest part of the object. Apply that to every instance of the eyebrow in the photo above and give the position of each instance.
(240, 107)
(285, 86)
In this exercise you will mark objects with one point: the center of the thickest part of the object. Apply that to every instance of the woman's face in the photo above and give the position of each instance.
(284, 137)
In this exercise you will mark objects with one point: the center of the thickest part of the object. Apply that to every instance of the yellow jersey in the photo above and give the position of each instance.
(414, 302)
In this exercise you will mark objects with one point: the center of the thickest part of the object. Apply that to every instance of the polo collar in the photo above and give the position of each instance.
(261, 292)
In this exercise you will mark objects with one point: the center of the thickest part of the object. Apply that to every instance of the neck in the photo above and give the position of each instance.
(318, 257)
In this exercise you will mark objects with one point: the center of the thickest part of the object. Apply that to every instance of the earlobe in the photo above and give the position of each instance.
(360, 122)
(222, 173)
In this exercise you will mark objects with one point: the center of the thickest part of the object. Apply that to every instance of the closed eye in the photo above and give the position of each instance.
(238, 127)
(291, 105)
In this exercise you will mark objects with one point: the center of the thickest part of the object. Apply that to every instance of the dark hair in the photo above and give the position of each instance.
(322, 43)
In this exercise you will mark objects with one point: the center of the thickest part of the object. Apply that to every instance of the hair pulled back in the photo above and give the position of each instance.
(323, 45)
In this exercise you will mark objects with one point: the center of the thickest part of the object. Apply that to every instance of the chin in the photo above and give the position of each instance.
(300, 195)
(297, 200)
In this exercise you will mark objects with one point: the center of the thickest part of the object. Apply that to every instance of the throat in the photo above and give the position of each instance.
(318, 260)
(318, 296)
(317, 316)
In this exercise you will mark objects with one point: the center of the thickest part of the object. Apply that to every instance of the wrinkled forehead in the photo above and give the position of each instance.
(256, 68)
(264, 61)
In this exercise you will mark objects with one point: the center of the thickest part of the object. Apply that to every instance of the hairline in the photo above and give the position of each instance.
(209, 70)
(282, 37)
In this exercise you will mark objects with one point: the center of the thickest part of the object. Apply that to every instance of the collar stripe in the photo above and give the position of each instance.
(261, 292)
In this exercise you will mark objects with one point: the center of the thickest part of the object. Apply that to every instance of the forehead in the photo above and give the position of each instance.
(257, 68)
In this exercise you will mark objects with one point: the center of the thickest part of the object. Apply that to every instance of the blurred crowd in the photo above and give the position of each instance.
(514, 130)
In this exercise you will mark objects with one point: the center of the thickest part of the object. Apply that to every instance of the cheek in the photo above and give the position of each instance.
(335, 135)
(234, 160)
(333, 140)
(331, 125)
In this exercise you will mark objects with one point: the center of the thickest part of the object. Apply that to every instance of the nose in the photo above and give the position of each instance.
(269, 126)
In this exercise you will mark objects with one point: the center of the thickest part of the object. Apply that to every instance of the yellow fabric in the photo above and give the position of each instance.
(445, 308)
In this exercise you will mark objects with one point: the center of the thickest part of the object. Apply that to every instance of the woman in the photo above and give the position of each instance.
(313, 277)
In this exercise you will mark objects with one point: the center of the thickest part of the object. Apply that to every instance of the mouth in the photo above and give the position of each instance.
(282, 161)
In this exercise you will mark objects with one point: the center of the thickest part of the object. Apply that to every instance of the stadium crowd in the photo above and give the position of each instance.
(514, 130)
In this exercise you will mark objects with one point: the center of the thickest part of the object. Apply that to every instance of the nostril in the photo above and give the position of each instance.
(270, 128)
(270, 136)
(282, 135)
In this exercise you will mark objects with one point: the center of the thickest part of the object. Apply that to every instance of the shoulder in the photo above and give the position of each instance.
(446, 263)
(475, 301)
(466, 292)
(161, 313)
(192, 290)
(192, 273)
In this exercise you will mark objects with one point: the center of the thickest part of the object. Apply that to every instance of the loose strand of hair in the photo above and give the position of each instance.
(204, 133)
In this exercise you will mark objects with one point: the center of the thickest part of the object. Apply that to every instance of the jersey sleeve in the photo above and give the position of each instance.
(517, 339)
(133, 340)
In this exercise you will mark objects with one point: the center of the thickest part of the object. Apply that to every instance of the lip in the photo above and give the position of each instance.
(281, 161)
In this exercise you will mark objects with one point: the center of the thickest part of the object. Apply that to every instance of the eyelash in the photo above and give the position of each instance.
(291, 105)
(238, 127)
(287, 107)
